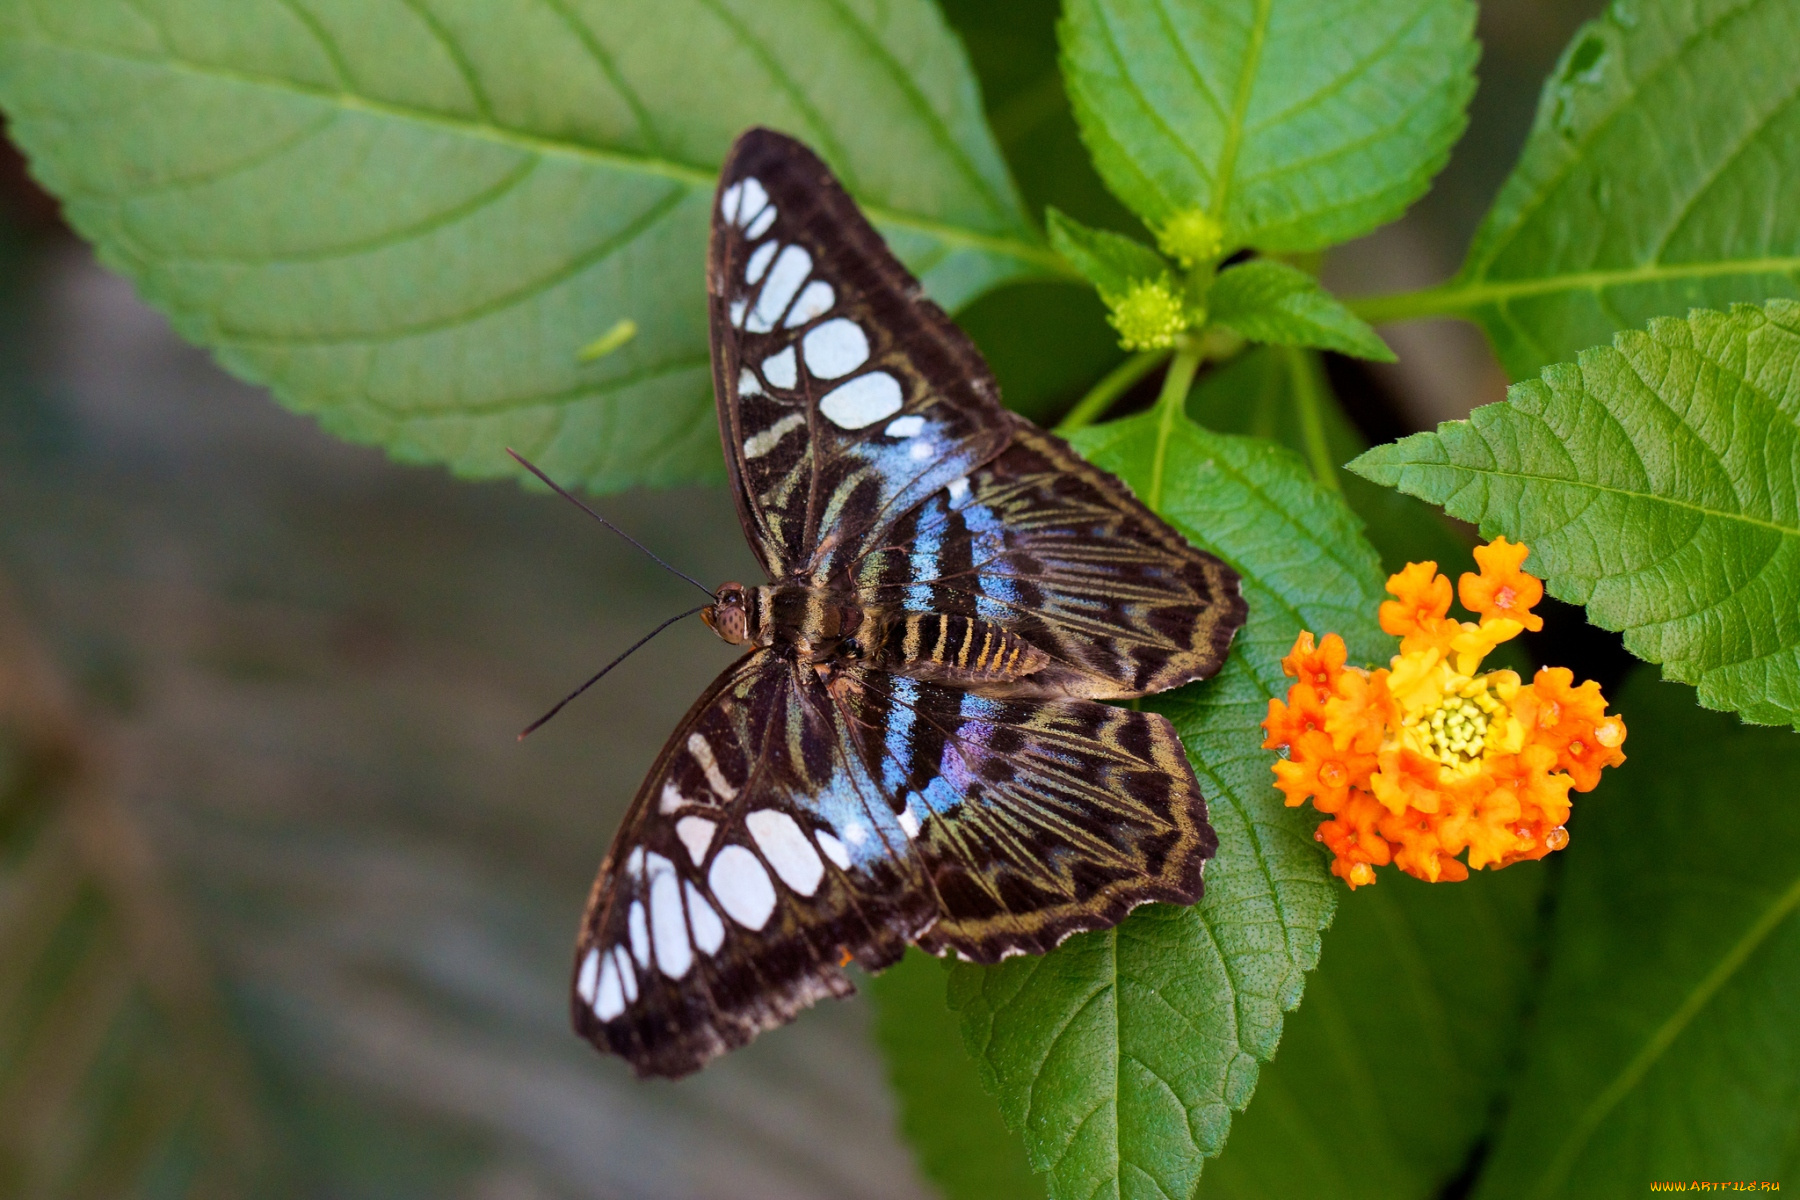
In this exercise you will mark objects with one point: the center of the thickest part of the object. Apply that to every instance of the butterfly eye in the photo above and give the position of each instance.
(851, 650)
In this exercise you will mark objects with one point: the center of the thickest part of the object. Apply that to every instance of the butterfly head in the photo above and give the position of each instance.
(729, 614)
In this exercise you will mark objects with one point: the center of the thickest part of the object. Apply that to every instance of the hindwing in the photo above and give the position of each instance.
(845, 396)
(1045, 545)
(1032, 818)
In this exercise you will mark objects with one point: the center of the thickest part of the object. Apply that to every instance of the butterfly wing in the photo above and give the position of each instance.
(793, 825)
(845, 396)
(1050, 547)
(757, 861)
(1032, 818)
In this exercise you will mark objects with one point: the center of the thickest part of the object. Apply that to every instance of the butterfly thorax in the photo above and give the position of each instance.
(809, 623)
(827, 629)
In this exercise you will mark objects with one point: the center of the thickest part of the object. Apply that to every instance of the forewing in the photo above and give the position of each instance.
(845, 396)
(1032, 818)
(756, 862)
(1060, 552)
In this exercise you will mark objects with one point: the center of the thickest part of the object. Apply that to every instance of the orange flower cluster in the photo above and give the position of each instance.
(1424, 759)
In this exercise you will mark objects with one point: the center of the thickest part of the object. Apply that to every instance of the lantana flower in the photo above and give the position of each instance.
(1430, 757)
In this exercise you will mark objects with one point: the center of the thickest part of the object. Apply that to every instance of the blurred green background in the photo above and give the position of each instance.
(284, 908)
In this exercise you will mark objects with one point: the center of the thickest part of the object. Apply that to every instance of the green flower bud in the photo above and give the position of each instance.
(1148, 316)
(1192, 238)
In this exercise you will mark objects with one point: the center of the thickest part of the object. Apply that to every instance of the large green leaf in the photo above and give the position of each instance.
(409, 216)
(1121, 1055)
(1388, 1073)
(1295, 124)
(1659, 176)
(953, 1126)
(1657, 482)
(1665, 1045)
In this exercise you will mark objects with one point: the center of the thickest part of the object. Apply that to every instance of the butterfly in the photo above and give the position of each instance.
(913, 748)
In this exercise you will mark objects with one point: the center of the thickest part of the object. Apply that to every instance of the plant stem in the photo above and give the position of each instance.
(1309, 395)
(1171, 406)
(1450, 299)
(1116, 383)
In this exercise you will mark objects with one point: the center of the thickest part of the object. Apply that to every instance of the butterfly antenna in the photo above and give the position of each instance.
(553, 486)
(531, 728)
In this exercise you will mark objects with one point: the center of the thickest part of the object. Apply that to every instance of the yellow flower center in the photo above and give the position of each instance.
(1455, 732)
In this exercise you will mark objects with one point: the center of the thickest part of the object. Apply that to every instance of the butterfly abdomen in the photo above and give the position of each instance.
(953, 649)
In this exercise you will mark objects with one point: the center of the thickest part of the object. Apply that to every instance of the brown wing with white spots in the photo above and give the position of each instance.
(794, 825)
(845, 396)
(757, 861)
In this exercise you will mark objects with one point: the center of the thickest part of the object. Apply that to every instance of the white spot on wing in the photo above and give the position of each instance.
(737, 313)
(837, 347)
(759, 444)
(863, 401)
(634, 862)
(670, 798)
(748, 384)
(919, 451)
(761, 225)
(696, 834)
(909, 824)
(855, 833)
(958, 489)
(750, 200)
(786, 848)
(639, 927)
(815, 301)
(702, 751)
(709, 931)
(627, 977)
(742, 887)
(760, 258)
(609, 999)
(904, 427)
(781, 370)
(589, 977)
(668, 926)
(790, 271)
(834, 850)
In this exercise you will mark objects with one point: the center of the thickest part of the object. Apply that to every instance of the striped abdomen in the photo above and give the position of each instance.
(960, 650)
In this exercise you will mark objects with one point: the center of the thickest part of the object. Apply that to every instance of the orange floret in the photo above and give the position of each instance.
(1316, 667)
(1502, 590)
(1426, 759)
(1572, 721)
(1421, 598)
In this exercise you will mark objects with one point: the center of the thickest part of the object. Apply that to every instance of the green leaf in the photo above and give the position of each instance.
(1269, 301)
(1388, 1073)
(1121, 1055)
(1665, 1045)
(1293, 124)
(1110, 261)
(1658, 176)
(1656, 482)
(953, 1126)
(409, 219)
